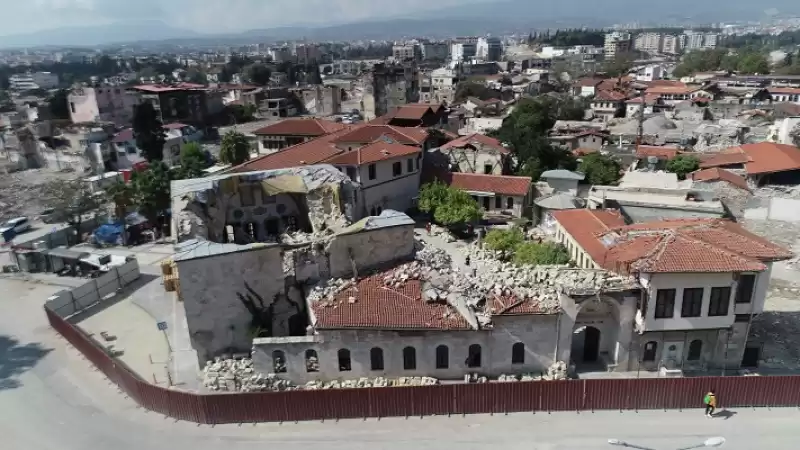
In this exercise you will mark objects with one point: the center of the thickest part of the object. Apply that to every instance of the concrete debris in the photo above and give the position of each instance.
(301, 237)
(327, 289)
(442, 233)
(557, 371)
(371, 382)
(22, 193)
(238, 375)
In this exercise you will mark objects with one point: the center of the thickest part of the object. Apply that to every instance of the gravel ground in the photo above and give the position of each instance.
(20, 192)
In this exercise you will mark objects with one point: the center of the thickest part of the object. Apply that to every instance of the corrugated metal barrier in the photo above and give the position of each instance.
(495, 398)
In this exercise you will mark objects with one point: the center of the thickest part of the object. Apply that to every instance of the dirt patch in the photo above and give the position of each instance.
(21, 192)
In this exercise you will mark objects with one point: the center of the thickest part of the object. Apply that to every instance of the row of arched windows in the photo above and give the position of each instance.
(473, 360)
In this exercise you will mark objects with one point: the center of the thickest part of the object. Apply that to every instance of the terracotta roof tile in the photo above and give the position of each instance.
(502, 305)
(588, 82)
(584, 224)
(646, 151)
(670, 89)
(377, 151)
(717, 174)
(497, 184)
(300, 127)
(684, 245)
(724, 158)
(377, 306)
(583, 151)
(475, 139)
(760, 158)
(366, 133)
(311, 152)
(610, 96)
(784, 90)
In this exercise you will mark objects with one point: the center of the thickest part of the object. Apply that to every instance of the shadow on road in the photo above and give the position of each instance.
(725, 414)
(16, 359)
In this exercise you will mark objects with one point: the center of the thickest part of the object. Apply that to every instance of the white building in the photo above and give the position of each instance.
(101, 104)
(33, 80)
(617, 42)
(405, 52)
(703, 280)
(671, 45)
(649, 42)
(463, 51)
(489, 49)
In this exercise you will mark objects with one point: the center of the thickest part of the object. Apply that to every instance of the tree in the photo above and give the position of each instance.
(149, 132)
(752, 62)
(71, 200)
(619, 66)
(472, 89)
(193, 161)
(59, 105)
(235, 148)
(504, 240)
(540, 254)
(196, 76)
(152, 190)
(258, 74)
(599, 168)
(122, 195)
(682, 165)
(447, 205)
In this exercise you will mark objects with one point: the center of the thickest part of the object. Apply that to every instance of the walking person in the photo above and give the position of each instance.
(428, 228)
(710, 400)
(466, 261)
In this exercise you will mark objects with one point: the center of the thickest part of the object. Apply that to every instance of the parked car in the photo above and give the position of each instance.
(14, 227)
(49, 215)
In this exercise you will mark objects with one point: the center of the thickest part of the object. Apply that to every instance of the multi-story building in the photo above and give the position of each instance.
(463, 49)
(671, 45)
(443, 85)
(33, 80)
(617, 42)
(390, 86)
(307, 53)
(489, 49)
(694, 40)
(181, 102)
(435, 51)
(289, 132)
(703, 282)
(649, 42)
(710, 40)
(101, 104)
(406, 52)
(279, 54)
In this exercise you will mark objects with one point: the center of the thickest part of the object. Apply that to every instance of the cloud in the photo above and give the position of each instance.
(206, 16)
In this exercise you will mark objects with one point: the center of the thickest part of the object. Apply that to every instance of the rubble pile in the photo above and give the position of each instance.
(557, 371)
(371, 382)
(301, 237)
(443, 233)
(238, 375)
(22, 193)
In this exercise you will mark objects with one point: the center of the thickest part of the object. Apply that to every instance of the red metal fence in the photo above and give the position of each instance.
(496, 398)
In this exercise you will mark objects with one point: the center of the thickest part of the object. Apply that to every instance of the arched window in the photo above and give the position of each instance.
(474, 356)
(278, 361)
(344, 360)
(518, 353)
(376, 358)
(695, 349)
(409, 358)
(442, 357)
(312, 362)
(650, 351)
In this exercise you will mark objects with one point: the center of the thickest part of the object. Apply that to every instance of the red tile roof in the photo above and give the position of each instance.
(366, 133)
(300, 127)
(583, 151)
(312, 152)
(717, 174)
(584, 224)
(784, 90)
(610, 96)
(377, 151)
(474, 140)
(681, 245)
(381, 307)
(588, 82)
(175, 126)
(513, 306)
(670, 89)
(125, 135)
(411, 111)
(496, 184)
(760, 158)
(646, 151)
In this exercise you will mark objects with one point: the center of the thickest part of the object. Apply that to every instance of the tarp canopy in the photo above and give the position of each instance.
(285, 184)
(109, 233)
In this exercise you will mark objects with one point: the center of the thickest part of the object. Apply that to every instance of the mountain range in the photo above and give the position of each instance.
(468, 19)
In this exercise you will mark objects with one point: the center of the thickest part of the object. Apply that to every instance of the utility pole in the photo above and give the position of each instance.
(640, 122)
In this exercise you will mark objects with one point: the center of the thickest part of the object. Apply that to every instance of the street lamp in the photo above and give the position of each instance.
(710, 442)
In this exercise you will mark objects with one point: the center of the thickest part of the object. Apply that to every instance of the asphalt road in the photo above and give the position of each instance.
(51, 399)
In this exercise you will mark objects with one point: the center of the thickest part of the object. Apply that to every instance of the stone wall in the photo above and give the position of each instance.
(734, 198)
(536, 332)
(211, 288)
(370, 249)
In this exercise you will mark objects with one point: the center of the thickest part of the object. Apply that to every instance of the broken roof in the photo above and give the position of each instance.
(373, 305)
(662, 153)
(475, 140)
(197, 248)
(562, 174)
(682, 245)
(760, 158)
(717, 174)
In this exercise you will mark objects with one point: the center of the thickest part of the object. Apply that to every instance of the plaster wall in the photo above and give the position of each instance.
(370, 249)
(537, 333)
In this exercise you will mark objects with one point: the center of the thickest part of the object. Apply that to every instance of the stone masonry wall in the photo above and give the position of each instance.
(370, 249)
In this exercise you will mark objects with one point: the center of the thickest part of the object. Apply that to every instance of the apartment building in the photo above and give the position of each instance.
(89, 104)
(489, 49)
(406, 52)
(464, 49)
(617, 42)
(33, 80)
(670, 45)
(649, 42)
(435, 51)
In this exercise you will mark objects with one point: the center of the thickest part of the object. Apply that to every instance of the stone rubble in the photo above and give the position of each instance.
(301, 237)
(557, 371)
(442, 233)
(371, 382)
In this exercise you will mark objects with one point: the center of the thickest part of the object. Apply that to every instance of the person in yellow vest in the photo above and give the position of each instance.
(710, 400)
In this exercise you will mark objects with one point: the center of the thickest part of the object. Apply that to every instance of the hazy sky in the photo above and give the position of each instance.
(204, 16)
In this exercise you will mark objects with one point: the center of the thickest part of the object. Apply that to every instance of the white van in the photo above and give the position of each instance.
(19, 225)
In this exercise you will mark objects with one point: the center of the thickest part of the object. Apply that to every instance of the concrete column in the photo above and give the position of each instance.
(569, 311)
(627, 315)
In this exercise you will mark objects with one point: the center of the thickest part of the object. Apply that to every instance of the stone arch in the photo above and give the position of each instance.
(599, 331)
